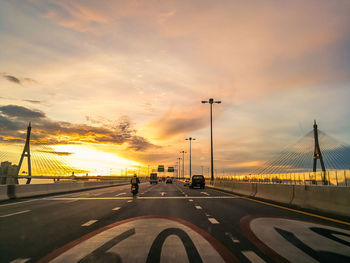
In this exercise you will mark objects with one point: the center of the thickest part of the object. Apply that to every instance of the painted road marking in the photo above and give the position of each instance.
(190, 200)
(213, 220)
(162, 193)
(120, 194)
(129, 201)
(186, 195)
(158, 239)
(89, 223)
(296, 240)
(252, 256)
(205, 193)
(16, 213)
(71, 201)
(18, 203)
(207, 214)
(116, 208)
(141, 198)
(234, 240)
(20, 260)
(198, 207)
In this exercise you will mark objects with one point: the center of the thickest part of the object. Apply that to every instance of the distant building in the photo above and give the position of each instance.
(8, 173)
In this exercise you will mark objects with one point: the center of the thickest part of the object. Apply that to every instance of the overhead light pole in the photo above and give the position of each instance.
(183, 163)
(190, 139)
(211, 102)
(178, 167)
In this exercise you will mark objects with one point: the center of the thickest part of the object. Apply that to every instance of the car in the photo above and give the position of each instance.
(186, 182)
(153, 178)
(197, 181)
(169, 181)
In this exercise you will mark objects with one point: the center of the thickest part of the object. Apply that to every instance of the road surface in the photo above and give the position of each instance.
(165, 223)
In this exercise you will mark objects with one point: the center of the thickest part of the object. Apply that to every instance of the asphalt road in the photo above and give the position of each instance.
(165, 223)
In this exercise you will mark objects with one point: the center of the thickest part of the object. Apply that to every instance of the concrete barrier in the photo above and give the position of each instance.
(244, 188)
(329, 199)
(3, 193)
(27, 190)
(281, 193)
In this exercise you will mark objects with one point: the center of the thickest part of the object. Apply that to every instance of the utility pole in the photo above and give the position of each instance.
(211, 102)
(190, 139)
(183, 163)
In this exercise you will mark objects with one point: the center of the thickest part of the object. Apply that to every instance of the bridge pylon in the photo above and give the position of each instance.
(26, 153)
(318, 155)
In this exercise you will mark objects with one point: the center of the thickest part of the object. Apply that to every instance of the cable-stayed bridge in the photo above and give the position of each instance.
(290, 210)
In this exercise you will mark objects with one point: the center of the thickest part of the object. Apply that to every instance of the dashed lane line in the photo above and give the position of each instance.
(20, 260)
(213, 220)
(18, 203)
(190, 200)
(234, 240)
(116, 208)
(17, 213)
(129, 201)
(205, 193)
(120, 194)
(89, 223)
(198, 207)
(252, 256)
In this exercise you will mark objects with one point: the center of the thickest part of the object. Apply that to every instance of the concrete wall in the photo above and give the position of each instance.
(3, 193)
(328, 199)
(30, 190)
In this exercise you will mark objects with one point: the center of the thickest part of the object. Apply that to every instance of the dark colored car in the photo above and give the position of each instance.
(197, 181)
(169, 181)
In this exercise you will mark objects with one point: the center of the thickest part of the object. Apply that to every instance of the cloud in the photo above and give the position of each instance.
(21, 112)
(14, 119)
(12, 79)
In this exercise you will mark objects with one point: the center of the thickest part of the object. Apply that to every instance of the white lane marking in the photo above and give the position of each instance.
(18, 203)
(116, 208)
(213, 220)
(20, 260)
(129, 201)
(71, 201)
(162, 193)
(89, 223)
(141, 197)
(205, 193)
(252, 256)
(17, 213)
(198, 207)
(120, 194)
(190, 200)
(234, 240)
(347, 239)
(207, 214)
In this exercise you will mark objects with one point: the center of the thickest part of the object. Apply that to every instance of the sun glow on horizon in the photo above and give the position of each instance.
(89, 158)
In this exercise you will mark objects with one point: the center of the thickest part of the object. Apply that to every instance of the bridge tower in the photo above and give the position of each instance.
(26, 153)
(318, 154)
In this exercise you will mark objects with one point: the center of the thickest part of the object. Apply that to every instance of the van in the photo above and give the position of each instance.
(153, 178)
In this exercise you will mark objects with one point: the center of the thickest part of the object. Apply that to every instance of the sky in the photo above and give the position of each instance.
(127, 78)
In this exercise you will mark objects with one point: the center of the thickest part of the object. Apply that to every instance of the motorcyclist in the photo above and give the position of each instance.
(135, 181)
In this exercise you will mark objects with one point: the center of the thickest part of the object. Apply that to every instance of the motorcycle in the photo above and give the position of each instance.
(134, 190)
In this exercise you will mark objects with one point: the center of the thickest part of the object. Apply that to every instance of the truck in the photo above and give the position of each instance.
(153, 178)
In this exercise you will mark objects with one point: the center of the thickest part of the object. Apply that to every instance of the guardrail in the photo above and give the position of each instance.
(332, 178)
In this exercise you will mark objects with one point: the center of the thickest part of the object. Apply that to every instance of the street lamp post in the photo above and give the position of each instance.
(178, 167)
(190, 139)
(183, 163)
(211, 102)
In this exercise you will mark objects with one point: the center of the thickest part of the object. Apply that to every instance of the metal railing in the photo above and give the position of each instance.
(331, 178)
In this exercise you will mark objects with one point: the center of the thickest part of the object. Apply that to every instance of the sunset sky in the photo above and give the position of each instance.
(124, 79)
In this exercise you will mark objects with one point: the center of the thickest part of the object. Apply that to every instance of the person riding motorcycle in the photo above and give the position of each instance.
(135, 181)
